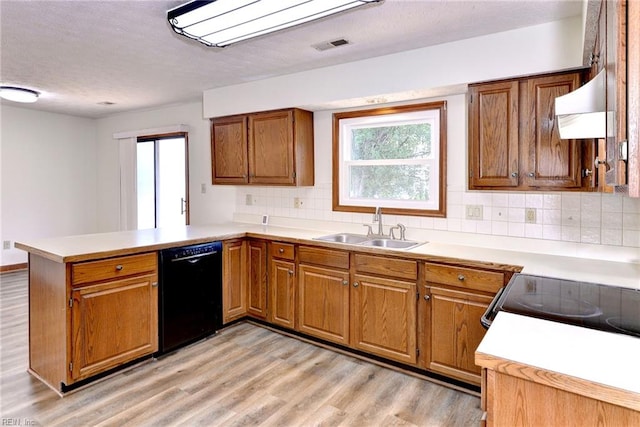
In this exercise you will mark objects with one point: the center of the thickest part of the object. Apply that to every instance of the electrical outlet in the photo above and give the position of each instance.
(248, 200)
(297, 203)
(6, 244)
(265, 219)
(530, 215)
(473, 212)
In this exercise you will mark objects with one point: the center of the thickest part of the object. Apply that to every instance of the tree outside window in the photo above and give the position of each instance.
(392, 158)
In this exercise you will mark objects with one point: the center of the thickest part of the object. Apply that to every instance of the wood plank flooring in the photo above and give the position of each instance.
(245, 375)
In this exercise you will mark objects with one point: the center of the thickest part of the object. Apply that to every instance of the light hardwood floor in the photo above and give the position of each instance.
(245, 375)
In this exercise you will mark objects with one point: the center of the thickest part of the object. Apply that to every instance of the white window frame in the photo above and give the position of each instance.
(434, 114)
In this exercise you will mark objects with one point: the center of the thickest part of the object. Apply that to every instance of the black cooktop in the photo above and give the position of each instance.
(591, 305)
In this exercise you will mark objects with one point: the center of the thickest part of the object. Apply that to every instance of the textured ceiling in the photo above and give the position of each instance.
(82, 53)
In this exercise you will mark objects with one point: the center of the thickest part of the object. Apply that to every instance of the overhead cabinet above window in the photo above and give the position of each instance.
(266, 148)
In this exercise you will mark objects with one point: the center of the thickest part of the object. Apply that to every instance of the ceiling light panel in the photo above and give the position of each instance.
(223, 22)
(18, 94)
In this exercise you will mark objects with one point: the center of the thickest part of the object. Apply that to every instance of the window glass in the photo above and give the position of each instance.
(390, 158)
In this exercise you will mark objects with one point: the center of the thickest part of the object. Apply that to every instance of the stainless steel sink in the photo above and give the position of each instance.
(391, 243)
(361, 240)
(343, 238)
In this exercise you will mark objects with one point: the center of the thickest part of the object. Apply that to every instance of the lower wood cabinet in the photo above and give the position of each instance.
(282, 283)
(513, 400)
(88, 317)
(455, 299)
(323, 299)
(421, 314)
(456, 332)
(112, 323)
(234, 280)
(257, 293)
(384, 317)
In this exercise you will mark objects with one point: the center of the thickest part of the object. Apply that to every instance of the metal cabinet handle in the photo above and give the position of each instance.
(290, 272)
(461, 277)
(281, 250)
(356, 284)
(154, 284)
(531, 174)
(119, 267)
(427, 297)
(345, 282)
(514, 174)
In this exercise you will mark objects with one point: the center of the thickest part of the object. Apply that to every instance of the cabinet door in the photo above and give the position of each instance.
(282, 284)
(271, 155)
(493, 135)
(547, 160)
(229, 150)
(234, 282)
(113, 323)
(257, 295)
(384, 317)
(456, 332)
(323, 298)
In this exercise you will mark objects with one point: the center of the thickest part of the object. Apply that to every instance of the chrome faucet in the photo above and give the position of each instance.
(402, 229)
(377, 216)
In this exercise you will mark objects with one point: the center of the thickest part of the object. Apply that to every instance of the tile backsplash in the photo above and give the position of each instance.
(593, 218)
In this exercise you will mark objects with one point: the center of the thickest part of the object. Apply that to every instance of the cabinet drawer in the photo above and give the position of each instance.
(113, 268)
(467, 278)
(282, 250)
(401, 268)
(326, 257)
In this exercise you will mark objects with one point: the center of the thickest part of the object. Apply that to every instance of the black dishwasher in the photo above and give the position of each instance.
(190, 300)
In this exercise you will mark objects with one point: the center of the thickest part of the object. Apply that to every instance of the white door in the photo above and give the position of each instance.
(162, 182)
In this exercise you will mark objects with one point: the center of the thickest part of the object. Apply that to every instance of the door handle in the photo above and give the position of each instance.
(183, 206)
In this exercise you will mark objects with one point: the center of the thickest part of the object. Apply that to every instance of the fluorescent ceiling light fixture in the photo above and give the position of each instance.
(220, 23)
(18, 94)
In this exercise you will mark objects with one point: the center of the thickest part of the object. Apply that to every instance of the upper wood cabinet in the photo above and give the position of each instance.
(266, 148)
(514, 143)
(618, 51)
(493, 135)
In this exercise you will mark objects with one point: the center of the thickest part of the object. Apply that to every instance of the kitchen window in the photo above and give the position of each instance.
(391, 157)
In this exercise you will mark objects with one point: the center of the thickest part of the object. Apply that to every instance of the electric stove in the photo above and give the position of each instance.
(590, 305)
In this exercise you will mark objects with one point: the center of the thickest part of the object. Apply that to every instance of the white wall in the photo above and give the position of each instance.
(48, 177)
(547, 47)
(216, 205)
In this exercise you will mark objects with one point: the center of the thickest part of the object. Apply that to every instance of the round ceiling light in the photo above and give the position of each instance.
(18, 94)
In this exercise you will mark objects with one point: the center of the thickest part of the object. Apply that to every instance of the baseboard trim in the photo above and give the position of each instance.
(13, 267)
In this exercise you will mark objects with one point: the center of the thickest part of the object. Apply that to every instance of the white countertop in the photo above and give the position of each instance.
(600, 357)
(82, 247)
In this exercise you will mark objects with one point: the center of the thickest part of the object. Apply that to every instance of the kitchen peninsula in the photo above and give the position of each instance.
(56, 267)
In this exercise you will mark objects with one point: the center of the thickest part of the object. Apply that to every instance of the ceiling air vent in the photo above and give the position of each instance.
(330, 44)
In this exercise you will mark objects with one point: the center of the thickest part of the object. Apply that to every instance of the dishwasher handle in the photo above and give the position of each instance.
(194, 258)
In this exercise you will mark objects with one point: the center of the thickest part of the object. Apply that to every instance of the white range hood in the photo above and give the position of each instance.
(582, 113)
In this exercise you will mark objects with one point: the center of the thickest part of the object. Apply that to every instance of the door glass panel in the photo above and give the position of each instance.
(171, 200)
(145, 161)
(161, 183)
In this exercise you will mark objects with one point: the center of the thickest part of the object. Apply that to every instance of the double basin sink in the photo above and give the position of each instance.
(361, 240)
